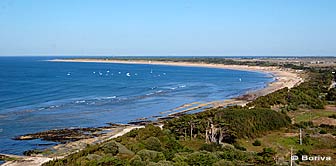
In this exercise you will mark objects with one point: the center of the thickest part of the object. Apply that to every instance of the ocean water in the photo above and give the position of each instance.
(37, 95)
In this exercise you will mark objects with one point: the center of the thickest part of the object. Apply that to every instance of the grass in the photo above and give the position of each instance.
(278, 140)
(194, 144)
(6, 158)
(283, 143)
(285, 139)
(309, 115)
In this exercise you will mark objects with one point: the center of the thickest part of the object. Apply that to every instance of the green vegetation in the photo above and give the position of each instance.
(305, 116)
(323, 132)
(227, 124)
(331, 96)
(333, 116)
(206, 143)
(302, 152)
(208, 60)
(6, 158)
(256, 143)
(310, 94)
(134, 149)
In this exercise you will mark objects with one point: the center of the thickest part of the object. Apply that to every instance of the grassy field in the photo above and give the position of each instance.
(305, 115)
(314, 142)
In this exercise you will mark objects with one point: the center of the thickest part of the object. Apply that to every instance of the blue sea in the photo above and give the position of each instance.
(37, 95)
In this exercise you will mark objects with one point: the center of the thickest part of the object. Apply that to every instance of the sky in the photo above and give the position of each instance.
(168, 27)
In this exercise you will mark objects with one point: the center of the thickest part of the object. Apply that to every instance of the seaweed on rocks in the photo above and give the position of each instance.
(62, 135)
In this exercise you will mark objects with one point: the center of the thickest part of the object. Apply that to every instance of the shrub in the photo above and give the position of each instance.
(231, 154)
(323, 132)
(148, 131)
(153, 143)
(267, 156)
(307, 140)
(137, 161)
(201, 158)
(256, 143)
(111, 161)
(304, 124)
(161, 163)
(212, 147)
(239, 147)
(302, 152)
(110, 147)
(333, 116)
(331, 96)
(150, 155)
(224, 162)
(180, 157)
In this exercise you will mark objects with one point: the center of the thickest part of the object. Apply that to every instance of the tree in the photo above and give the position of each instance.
(110, 147)
(153, 143)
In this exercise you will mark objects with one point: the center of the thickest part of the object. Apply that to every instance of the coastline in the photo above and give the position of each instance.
(283, 78)
(62, 150)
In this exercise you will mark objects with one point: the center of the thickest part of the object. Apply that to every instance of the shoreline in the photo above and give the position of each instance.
(283, 78)
(63, 150)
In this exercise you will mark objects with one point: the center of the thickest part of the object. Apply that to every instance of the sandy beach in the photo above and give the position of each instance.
(283, 77)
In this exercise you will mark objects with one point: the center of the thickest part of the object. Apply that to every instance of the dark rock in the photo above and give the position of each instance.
(62, 135)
